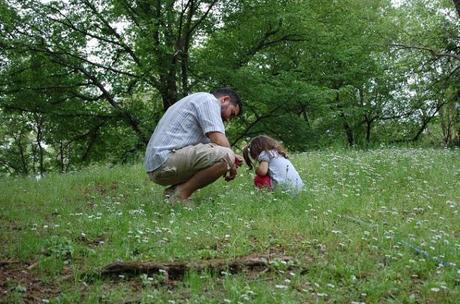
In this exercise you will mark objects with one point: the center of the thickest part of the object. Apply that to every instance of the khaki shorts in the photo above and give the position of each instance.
(182, 164)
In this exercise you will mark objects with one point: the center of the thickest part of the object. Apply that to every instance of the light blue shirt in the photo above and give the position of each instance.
(185, 123)
(281, 170)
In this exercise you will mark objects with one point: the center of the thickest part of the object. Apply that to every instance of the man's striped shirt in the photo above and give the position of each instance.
(185, 123)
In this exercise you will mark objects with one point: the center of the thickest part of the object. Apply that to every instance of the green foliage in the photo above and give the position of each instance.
(86, 82)
(61, 248)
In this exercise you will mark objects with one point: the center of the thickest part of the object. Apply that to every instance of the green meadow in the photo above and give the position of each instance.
(379, 226)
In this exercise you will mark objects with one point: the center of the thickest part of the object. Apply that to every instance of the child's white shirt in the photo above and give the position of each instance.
(281, 170)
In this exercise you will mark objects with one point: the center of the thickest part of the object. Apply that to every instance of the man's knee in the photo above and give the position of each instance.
(225, 155)
(184, 163)
(160, 179)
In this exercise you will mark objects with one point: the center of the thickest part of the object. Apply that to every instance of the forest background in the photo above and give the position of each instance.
(86, 81)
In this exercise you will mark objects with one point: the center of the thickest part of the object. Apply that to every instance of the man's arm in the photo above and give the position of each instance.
(236, 160)
(218, 139)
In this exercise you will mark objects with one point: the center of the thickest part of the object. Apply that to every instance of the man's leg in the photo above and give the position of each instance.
(201, 179)
(169, 191)
(192, 168)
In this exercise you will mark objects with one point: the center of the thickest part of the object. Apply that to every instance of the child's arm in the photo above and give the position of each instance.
(262, 168)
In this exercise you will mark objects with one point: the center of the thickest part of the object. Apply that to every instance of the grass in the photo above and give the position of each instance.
(374, 226)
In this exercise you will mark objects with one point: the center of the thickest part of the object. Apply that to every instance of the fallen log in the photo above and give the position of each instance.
(8, 262)
(177, 270)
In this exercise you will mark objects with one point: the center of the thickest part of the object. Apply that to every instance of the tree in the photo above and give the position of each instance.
(433, 50)
(88, 80)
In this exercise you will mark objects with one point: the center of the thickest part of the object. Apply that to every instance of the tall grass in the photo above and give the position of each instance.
(374, 226)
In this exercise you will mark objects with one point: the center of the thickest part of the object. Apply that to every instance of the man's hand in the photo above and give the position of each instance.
(238, 160)
(231, 174)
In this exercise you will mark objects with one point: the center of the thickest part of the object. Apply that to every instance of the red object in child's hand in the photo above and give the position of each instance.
(263, 181)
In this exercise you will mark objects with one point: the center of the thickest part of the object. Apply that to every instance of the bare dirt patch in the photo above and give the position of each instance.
(17, 280)
(102, 189)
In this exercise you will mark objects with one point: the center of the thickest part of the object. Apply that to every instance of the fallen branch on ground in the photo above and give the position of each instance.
(177, 270)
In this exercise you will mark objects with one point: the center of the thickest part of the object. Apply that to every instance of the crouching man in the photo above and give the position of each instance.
(188, 149)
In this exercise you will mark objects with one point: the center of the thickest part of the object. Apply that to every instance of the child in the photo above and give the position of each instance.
(274, 168)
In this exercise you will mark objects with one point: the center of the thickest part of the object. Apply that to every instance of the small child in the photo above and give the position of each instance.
(274, 168)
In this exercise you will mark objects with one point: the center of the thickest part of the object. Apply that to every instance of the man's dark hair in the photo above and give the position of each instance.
(234, 97)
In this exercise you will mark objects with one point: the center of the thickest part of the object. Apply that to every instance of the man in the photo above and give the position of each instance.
(188, 149)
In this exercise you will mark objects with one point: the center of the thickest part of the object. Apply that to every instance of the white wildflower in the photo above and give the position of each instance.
(281, 286)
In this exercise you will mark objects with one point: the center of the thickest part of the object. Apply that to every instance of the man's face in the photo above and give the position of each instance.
(227, 109)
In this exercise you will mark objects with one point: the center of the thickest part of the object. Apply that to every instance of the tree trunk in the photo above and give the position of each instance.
(93, 136)
(184, 69)
(41, 151)
(167, 59)
(422, 128)
(427, 120)
(368, 131)
(457, 6)
(346, 126)
(169, 92)
(61, 156)
(348, 131)
(25, 169)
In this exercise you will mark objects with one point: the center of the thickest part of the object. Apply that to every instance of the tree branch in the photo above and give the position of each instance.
(18, 108)
(205, 15)
(258, 119)
(433, 52)
(113, 32)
